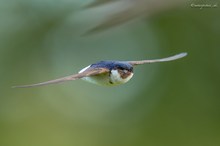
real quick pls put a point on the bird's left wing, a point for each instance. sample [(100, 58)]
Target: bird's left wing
[(88, 72), (175, 57)]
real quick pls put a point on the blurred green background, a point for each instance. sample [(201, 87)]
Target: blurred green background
[(168, 104)]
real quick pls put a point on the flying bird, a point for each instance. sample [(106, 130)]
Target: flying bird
[(108, 73)]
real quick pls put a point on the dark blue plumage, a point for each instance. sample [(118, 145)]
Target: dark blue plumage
[(113, 65)]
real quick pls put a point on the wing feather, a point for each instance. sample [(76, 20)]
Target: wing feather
[(175, 57), (88, 72)]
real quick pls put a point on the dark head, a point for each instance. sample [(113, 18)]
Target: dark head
[(113, 65)]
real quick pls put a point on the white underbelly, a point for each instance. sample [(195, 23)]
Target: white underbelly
[(99, 80), (116, 78), (102, 79)]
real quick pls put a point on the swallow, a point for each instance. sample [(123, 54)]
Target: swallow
[(108, 73)]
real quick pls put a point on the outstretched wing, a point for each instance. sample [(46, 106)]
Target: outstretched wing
[(175, 57), (88, 72)]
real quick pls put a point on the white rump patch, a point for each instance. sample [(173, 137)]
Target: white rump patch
[(82, 70)]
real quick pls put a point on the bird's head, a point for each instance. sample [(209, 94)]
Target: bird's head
[(123, 69), (121, 73)]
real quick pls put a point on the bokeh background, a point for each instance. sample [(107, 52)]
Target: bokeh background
[(167, 104)]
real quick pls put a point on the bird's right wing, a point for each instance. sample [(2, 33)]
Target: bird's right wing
[(88, 72)]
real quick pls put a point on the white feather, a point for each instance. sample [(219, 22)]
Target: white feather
[(116, 78), (82, 70)]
